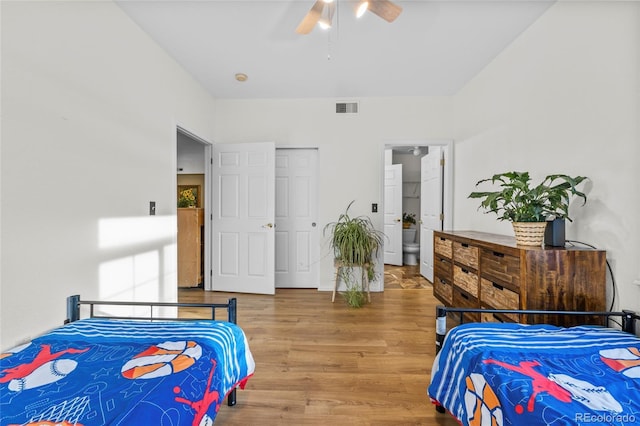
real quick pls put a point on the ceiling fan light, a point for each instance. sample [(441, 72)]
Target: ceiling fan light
[(324, 23), (362, 8), (416, 151)]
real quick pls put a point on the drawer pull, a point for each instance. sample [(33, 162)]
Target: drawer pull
[(498, 254), (443, 239), (466, 271), (442, 281), (498, 286), (443, 260), (465, 245), (464, 296)]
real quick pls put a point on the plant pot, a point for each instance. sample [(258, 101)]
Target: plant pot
[(529, 233), (406, 225)]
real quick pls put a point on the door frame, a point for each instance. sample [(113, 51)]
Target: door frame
[(447, 196), (208, 191)]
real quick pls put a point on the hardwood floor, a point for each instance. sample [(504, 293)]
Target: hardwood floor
[(321, 363), (405, 276)]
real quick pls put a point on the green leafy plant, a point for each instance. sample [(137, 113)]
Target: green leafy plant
[(409, 218), (518, 201), (354, 296), (355, 241)]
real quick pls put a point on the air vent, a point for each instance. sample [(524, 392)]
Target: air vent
[(346, 107)]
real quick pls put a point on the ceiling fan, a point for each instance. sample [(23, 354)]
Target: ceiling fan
[(322, 11)]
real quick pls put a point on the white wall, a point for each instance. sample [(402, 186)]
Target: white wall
[(564, 97), (89, 112), (350, 145)]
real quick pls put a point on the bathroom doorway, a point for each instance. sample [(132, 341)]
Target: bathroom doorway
[(414, 206)]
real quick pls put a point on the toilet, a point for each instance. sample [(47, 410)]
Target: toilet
[(410, 249)]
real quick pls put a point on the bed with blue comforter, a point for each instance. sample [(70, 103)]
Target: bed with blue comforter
[(124, 372), (514, 374)]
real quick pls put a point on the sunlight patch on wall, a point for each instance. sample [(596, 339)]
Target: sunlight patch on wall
[(131, 278), (128, 231)]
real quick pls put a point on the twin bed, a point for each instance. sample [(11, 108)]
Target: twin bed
[(123, 370), (516, 374), (127, 370)]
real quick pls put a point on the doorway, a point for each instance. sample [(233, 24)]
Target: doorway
[(194, 242), (425, 192)]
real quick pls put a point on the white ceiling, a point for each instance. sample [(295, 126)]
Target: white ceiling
[(432, 49)]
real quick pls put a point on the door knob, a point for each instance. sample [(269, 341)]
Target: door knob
[(268, 225), (313, 224), (398, 220)]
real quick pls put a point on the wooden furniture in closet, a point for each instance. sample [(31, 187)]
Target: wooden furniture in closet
[(190, 223), (482, 270)]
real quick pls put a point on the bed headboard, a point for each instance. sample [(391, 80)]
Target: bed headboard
[(627, 318), (74, 302)]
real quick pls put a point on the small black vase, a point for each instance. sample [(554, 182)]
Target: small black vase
[(554, 233)]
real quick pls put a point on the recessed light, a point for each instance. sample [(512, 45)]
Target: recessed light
[(241, 77)]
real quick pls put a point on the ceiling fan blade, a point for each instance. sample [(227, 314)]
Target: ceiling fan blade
[(385, 9), (311, 18)]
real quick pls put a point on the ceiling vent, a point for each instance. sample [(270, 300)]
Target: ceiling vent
[(346, 107)]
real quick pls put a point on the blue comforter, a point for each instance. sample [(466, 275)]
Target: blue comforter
[(513, 374), (99, 372)]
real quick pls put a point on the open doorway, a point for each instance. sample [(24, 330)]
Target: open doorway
[(193, 207), (417, 188)]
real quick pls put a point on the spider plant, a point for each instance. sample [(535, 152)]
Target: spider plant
[(355, 241)]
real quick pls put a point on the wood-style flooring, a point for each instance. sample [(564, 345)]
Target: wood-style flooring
[(407, 276), (323, 363)]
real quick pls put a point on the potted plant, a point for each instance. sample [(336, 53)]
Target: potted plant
[(526, 207), (355, 243), (408, 219)]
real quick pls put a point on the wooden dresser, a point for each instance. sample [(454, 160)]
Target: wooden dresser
[(481, 270), (190, 245)]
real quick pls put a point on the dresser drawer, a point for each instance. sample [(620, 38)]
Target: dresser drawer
[(443, 246), (442, 266), (501, 267), (492, 317), (499, 297), (465, 254), (443, 290), (466, 280), (463, 300)]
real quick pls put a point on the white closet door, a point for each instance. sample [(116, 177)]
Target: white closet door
[(296, 232)]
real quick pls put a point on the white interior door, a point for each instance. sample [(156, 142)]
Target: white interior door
[(243, 217), (296, 233), (431, 175), (393, 214)]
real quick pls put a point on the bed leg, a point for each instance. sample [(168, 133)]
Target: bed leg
[(231, 398), (441, 326), (440, 409)]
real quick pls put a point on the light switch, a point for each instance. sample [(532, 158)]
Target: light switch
[(374, 208), (152, 208)]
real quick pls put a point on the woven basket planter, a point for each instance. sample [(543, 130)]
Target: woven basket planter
[(529, 233)]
